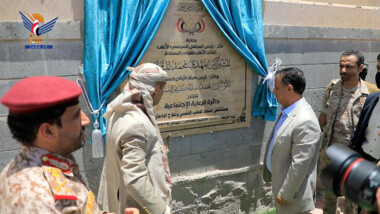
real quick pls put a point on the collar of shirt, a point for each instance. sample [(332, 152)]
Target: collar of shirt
[(289, 109), (337, 85), (35, 154)]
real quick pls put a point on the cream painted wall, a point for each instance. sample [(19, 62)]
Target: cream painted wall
[(312, 13), (375, 3), (322, 14), (66, 10)]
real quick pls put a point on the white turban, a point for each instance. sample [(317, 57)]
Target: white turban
[(145, 78)]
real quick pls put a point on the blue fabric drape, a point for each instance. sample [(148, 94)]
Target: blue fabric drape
[(241, 23), (117, 34)]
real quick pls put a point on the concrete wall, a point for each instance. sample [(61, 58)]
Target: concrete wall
[(234, 158), (217, 172), (66, 10)]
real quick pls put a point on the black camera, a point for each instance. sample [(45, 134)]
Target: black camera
[(350, 175)]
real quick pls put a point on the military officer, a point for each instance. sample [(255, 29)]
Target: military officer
[(45, 116)]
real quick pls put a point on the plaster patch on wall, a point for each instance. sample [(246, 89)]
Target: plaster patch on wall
[(226, 197)]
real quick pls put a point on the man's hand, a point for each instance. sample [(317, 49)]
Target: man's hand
[(280, 200), (131, 211)]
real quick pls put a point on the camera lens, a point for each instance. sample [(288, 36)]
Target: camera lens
[(351, 175)]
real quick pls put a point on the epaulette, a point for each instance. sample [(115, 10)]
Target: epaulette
[(55, 170), (57, 182)]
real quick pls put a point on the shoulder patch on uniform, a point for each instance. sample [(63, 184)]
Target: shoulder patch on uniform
[(57, 182)]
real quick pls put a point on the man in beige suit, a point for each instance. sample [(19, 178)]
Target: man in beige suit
[(291, 155), (136, 171)]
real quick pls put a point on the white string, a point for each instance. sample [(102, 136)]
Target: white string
[(272, 73), (96, 135), (87, 100)]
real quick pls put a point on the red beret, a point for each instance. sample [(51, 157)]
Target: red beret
[(36, 93)]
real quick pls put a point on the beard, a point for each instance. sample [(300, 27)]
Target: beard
[(344, 77), (71, 143), (80, 141)]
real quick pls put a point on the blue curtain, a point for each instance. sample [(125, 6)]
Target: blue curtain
[(241, 23), (117, 34)]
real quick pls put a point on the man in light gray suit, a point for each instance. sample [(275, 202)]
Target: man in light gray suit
[(291, 155)]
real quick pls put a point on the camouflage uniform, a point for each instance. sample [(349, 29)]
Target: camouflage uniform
[(343, 108), (37, 181)]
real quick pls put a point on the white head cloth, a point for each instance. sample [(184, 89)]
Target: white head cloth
[(145, 78)]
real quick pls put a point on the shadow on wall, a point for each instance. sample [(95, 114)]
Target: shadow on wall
[(92, 166)]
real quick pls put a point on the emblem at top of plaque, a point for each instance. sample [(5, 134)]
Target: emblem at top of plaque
[(187, 22)]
